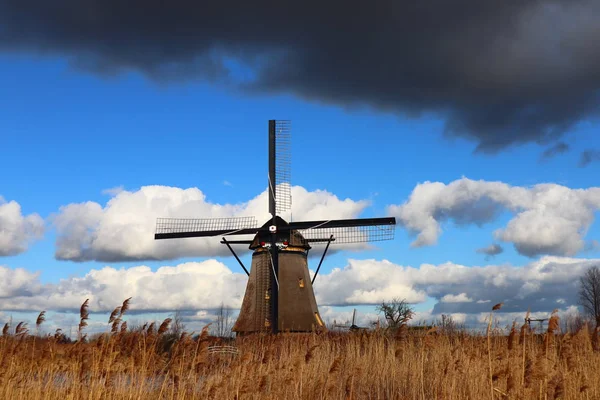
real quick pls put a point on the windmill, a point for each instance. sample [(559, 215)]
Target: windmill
[(352, 327), (279, 294)]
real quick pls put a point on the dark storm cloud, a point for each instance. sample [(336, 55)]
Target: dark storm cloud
[(500, 73), (589, 156), (558, 148)]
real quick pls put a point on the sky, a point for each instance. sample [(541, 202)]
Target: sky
[(484, 149)]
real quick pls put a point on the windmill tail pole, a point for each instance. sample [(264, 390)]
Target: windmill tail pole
[(322, 258), (236, 256), (274, 285)]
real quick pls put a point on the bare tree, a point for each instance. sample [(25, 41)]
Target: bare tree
[(396, 312), (450, 326), (573, 321), (224, 322), (589, 293), (177, 327)]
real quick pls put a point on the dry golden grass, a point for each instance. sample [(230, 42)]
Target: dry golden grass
[(434, 364)]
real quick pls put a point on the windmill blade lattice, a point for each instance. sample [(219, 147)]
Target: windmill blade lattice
[(350, 234), (283, 163), (194, 227)]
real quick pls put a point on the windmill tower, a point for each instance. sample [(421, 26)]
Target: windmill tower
[(279, 294)]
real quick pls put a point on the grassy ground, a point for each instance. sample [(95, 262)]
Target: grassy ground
[(376, 365)]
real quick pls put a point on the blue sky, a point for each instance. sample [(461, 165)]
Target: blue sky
[(68, 135)]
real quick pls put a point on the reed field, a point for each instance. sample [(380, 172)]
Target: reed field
[(149, 362)]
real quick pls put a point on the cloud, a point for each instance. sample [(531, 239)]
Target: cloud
[(589, 156), (123, 229), (457, 288), (114, 190), (18, 282), (494, 82), (491, 250), (553, 151), (358, 284), (187, 286), (547, 218), (17, 231), (197, 289), (456, 298)]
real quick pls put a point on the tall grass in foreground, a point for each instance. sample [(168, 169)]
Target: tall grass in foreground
[(151, 363)]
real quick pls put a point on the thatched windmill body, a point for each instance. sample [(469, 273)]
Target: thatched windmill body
[(279, 294)]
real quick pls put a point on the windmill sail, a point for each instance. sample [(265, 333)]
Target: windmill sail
[(349, 231), (283, 163), (173, 228), (280, 161)]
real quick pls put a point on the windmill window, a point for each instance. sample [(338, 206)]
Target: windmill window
[(301, 282)]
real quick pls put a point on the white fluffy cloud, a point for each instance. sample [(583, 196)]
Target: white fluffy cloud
[(548, 218), (124, 228), (17, 282), (188, 286), (543, 284), (456, 298), (17, 231), (366, 282), (199, 287)]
